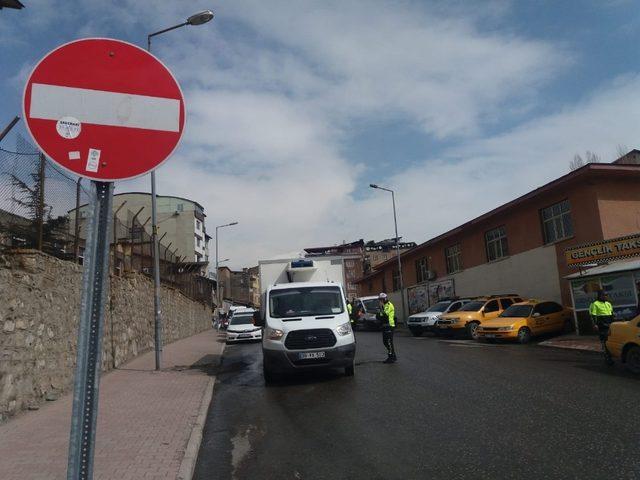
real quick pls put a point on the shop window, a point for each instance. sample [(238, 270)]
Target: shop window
[(422, 270), (496, 243), (556, 222), (453, 257)]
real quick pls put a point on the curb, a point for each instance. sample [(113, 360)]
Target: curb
[(571, 347), (188, 463)]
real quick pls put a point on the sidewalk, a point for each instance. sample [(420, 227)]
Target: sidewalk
[(589, 343), (145, 419)]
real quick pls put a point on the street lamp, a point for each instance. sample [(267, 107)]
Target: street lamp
[(395, 221), (196, 19), (218, 264)]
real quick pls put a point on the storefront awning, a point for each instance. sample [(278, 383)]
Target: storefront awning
[(606, 269)]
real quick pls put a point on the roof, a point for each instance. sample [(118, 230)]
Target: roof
[(623, 266), (608, 169), (160, 196), (282, 286)]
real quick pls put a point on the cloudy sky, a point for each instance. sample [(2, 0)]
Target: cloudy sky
[(294, 107)]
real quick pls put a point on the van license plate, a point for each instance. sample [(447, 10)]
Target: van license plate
[(311, 355)]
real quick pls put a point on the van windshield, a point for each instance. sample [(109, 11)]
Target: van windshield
[(305, 301)]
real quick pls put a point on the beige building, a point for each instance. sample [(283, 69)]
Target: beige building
[(181, 223)]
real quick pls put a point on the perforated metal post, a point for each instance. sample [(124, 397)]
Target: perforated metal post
[(94, 294)]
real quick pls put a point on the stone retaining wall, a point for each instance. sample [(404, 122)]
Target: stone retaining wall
[(39, 307)]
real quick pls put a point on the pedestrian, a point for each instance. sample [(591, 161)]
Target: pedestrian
[(601, 312), (388, 316)]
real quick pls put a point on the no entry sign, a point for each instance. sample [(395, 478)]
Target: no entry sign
[(104, 109)]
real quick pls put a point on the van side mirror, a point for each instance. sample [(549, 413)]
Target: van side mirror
[(257, 319), (482, 312)]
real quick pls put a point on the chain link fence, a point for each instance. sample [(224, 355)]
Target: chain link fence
[(43, 207)]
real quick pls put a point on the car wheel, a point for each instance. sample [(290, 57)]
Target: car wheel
[(416, 332), (472, 330), (632, 359), (524, 335), (350, 370)]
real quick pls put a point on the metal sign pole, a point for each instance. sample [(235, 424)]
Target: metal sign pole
[(94, 293)]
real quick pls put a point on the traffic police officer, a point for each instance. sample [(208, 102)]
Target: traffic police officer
[(387, 312), (601, 312)]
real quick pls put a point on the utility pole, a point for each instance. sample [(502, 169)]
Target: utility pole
[(395, 222)]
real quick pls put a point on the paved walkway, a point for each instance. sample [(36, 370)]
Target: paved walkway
[(589, 343), (144, 423)]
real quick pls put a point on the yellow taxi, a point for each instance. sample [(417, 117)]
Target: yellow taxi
[(523, 320), (469, 317), (623, 343)]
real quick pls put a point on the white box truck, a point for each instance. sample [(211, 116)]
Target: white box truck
[(305, 318)]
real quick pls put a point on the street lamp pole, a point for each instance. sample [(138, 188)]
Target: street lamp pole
[(197, 19), (395, 222), (218, 264)]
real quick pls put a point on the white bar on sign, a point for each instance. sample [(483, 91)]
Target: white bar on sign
[(52, 102)]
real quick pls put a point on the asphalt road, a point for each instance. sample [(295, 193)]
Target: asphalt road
[(446, 410)]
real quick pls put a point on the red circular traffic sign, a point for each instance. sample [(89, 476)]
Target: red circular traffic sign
[(104, 109)]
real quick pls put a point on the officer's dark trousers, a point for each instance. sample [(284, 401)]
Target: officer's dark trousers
[(604, 321), (387, 339)]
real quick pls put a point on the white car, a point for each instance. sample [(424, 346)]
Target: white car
[(426, 321), (242, 327)]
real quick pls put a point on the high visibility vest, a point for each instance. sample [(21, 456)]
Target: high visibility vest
[(349, 308), (600, 309), (390, 311)]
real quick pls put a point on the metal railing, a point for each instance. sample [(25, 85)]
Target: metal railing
[(41, 207)]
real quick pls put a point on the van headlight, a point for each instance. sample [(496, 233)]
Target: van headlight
[(274, 333), (344, 329)]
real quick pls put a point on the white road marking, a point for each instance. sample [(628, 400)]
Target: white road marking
[(99, 107)]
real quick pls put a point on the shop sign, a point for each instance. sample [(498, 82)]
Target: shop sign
[(615, 248)]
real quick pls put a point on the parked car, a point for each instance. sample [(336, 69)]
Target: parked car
[(471, 315), (242, 327), (365, 311), (421, 322), (521, 321), (623, 343)]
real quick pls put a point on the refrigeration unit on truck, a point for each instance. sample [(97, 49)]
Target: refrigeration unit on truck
[(305, 318)]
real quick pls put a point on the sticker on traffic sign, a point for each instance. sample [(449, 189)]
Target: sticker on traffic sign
[(104, 109)]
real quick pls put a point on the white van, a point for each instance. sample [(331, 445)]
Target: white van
[(306, 326)]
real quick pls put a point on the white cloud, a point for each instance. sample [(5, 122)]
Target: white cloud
[(274, 90)]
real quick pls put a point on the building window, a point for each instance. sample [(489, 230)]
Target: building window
[(198, 225), (496, 241), (556, 222), (453, 256), (180, 207), (422, 270), (198, 241), (396, 280)]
